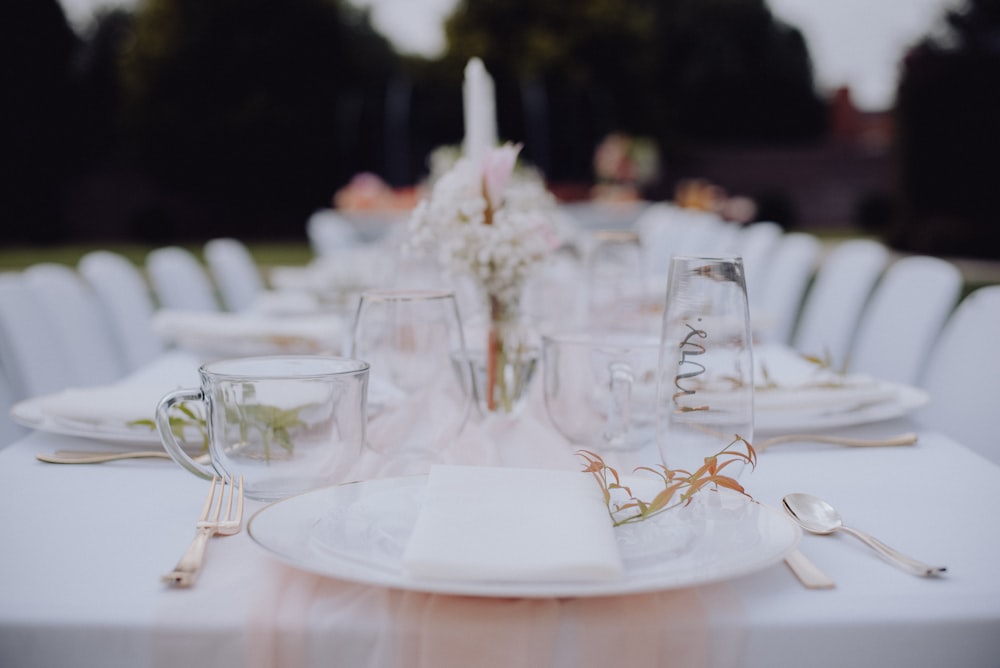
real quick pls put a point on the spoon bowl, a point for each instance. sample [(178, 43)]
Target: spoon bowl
[(817, 516)]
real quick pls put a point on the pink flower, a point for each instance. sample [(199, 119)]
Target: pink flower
[(498, 165)]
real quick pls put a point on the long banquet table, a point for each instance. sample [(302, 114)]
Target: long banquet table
[(84, 546)]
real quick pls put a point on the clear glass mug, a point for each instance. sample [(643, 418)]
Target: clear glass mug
[(705, 389), (286, 423), (600, 388)]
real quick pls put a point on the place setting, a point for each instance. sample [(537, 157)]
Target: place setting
[(349, 462)]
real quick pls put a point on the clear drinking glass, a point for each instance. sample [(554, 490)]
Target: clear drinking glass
[(420, 387), (600, 388), (705, 386), (286, 423), (616, 281)]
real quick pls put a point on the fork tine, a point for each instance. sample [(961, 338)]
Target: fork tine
[(218, 502), (230, 483), (207, 508), (239, 503)]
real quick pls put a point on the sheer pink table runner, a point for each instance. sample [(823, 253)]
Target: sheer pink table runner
[(276, 616)]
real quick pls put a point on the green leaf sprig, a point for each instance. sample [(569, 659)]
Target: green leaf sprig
[(679, 486), (274, 424), (180, 425)]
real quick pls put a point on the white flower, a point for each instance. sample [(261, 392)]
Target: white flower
[(490, 221)]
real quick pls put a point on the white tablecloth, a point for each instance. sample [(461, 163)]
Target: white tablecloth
[(84, 546)]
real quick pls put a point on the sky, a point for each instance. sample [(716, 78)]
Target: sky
[(854, 43)]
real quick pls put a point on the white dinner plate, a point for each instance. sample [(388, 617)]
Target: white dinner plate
[(896, 401), (30, 413), (101, 413), (357, 532)]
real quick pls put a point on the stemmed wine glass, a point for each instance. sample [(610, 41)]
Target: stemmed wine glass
[(419, 392)]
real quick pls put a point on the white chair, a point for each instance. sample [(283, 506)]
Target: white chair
[(31, 353), (234, 271), (78, 320), (834, 304), (783, 289), (961, 375), (10, 431), (330, 233), (179, 280), (666, 230), (902, 320), (756, 243), (127, 301)]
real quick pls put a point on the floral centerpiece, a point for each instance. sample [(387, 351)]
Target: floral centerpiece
[(485, 220)]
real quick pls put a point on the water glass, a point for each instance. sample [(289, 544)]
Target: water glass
[(616, 281), (286, 423), (600, 388), (705, 385), (420, 392)]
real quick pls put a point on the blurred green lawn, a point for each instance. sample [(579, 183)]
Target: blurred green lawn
[(267, 254)]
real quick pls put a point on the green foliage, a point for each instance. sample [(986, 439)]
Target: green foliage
[(687, 72), (239, 100), (947, 106)]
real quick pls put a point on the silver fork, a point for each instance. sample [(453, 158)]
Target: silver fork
[(211, 523)]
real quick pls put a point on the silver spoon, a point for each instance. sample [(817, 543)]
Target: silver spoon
[(817, 516)]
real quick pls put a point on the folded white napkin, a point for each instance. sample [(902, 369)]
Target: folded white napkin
[(514, 525), (110, 406), (787, 381), (250, 333)]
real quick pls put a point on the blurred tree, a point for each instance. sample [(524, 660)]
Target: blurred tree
[(254, 105), (566, 73), (948, 137), (728, 72), (688, 72), (39, 126)]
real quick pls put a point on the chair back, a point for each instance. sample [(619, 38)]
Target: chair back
[(10, 431), (778, 302), (78, 321), (961, 375), (834, 303), (756, 243), (31, 352), (179, 280), (904, 317), (330, 233), (234, 271), (127, 301)]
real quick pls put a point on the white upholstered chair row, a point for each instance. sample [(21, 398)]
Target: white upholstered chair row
[(867, 313), (756, 244), (127, 303), (60, 327), (836, 299), (10, 431), (791, 263), (962, 374), (329, 233), (235, 273), (179, 280), (52, 335), (229, 279), (903, 318)]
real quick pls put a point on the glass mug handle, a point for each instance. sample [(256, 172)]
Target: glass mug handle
[(174, 448), (619, 403)]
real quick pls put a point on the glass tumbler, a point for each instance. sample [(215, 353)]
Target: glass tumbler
[(616, 281), (705, 388)]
